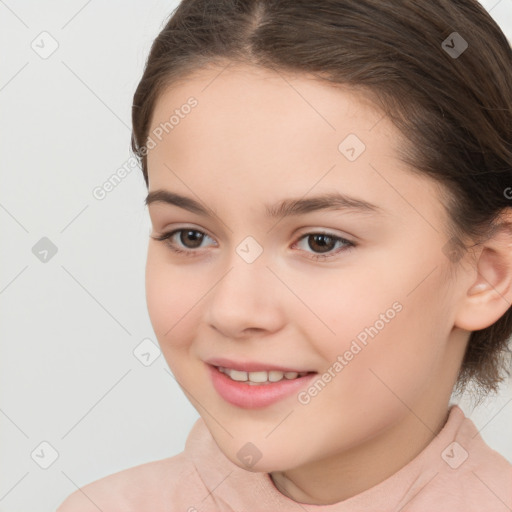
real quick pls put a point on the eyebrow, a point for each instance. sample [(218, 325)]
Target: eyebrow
[(285, 208)]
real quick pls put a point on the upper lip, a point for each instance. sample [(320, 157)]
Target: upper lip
[(251, 366)]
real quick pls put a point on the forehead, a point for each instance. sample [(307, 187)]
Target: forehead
[(254, 96), (258, 131)]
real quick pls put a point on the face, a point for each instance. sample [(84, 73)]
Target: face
[(358, 294)]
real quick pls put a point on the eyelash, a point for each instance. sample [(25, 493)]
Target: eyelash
[(166, 237)]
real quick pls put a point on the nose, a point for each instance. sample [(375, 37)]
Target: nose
[(245, 301)]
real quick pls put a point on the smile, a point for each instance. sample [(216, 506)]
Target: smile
[(257, 389), (260, 377)]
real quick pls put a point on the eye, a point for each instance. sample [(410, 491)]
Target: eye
[(324, 243), (186, 241)]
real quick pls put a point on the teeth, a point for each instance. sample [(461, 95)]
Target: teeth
[(237, 375), (262, 377), (258, 376), (274, 375)]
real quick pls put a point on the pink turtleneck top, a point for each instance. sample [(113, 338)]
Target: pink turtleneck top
[(456, 472)]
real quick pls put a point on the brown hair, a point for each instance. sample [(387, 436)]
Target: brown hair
[(453, 110)]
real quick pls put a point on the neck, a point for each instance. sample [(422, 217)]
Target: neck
[(345, 475)]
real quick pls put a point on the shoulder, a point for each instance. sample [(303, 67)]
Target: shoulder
[(153, 486), (163, 485), (489, 474), (472, 475)]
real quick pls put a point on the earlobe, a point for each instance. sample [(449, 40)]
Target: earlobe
[(490, 294)]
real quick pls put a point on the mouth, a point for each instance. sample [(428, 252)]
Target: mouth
[(262, 377), (257, 389)]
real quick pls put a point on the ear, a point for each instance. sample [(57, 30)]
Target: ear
[(489, 295)]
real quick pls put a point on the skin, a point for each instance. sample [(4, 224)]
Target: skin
[(258, 137)]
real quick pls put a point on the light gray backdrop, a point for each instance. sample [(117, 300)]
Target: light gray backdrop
[(76, 403)]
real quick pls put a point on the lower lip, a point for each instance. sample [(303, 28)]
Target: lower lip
[(248, 396)]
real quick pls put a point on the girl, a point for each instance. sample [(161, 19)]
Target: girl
[(330, 192)]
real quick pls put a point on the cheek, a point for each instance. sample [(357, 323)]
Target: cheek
[(172, 297), (400, 357), (389, 340), (373, 380), (340, 306)]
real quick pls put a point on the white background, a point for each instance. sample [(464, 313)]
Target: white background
[(70, 325)]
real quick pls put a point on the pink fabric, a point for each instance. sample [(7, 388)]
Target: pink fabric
[(202, 479)]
